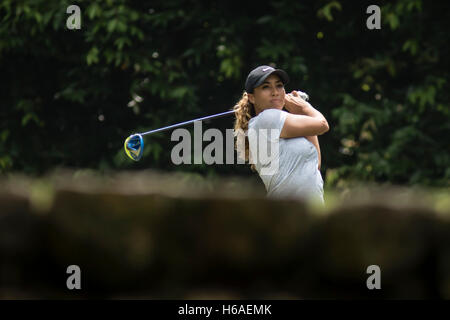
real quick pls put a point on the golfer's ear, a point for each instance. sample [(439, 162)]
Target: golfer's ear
[(251, 98)]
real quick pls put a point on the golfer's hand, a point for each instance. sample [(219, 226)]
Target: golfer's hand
[(294, 103)]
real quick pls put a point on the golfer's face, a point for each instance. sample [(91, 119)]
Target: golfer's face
[(270, 94)]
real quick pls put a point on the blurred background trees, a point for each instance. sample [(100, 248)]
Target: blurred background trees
[(69, 98)]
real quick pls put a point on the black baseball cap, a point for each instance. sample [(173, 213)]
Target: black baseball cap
[(257, 76)]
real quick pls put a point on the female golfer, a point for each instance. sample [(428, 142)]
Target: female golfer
[(295, 153)]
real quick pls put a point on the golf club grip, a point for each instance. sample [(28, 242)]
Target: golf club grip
[(303, 95)]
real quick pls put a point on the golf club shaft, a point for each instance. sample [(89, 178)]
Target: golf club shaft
[(188, 122)]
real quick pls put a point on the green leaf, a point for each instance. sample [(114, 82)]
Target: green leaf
[(94, 10), (393, 21), (179, 93), (112, 25), (325, 11), (28, 117), (121, 26), (412, 45), (121, 42), (4, 135), (6, 162), (92, 56), (37, 17), (264, 19)]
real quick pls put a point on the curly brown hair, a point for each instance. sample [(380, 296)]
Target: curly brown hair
[(244, 110)]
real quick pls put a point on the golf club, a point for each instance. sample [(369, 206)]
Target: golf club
[(134, 144)]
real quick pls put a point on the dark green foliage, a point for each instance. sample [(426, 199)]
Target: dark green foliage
[(69, 98)]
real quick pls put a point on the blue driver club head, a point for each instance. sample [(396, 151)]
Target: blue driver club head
[(134, 146)]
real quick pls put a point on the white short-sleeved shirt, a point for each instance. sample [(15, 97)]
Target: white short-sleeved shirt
[(288, 167)]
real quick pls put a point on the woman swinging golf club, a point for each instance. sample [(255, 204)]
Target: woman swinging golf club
[(262, 107)]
